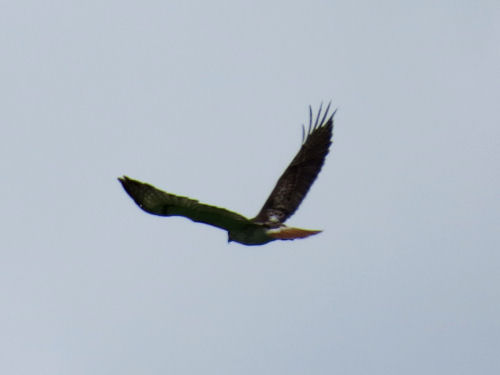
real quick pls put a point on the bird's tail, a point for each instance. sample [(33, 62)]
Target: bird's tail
[(287, 233)]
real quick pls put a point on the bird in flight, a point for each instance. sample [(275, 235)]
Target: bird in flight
[(284, 200)]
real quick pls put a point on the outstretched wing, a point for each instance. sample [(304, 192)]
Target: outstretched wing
[(158, 202), (295, 182)]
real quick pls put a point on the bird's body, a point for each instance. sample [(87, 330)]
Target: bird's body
[(285, 198)]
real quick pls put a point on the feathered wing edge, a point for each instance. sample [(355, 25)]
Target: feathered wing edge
[(158, 202), (295, 182)]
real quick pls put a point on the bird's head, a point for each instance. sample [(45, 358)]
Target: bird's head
[(252, 235)]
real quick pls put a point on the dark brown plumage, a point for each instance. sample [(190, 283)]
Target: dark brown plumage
[(294, 183), (268, 225)]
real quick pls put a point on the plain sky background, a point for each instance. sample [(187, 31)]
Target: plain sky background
[(206, 99)]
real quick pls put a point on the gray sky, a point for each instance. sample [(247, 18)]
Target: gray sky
[(206, 99)]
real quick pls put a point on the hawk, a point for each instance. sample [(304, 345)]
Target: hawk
[(284, 200)]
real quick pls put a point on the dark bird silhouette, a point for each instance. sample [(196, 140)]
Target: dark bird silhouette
[(284, 200)]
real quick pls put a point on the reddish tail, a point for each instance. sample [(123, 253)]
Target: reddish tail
[(287, 233)]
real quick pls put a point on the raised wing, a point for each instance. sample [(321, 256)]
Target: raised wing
[(157, 202), (295, 182)]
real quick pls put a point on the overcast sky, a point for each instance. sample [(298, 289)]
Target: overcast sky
[(206, 99)]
